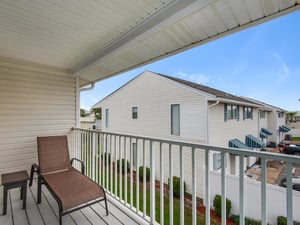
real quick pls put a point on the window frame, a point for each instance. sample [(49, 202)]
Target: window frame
[(106, 117), (247, 112), (175, 130), (231, 112), (134, 112)]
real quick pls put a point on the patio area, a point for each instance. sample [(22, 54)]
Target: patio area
[(47, 211)]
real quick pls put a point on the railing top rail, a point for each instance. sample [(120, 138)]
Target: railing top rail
[(234, 151)]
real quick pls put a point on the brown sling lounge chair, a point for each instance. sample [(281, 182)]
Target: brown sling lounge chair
[(71, 189)]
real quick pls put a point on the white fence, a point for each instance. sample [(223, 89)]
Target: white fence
[(276, 198)]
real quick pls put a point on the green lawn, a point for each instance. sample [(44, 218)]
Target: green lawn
[(176, 202), (296, 138)]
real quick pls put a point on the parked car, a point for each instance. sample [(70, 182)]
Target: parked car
[(292, 149), (295, 182)]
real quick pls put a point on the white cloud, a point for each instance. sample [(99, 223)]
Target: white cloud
[(194, 77)]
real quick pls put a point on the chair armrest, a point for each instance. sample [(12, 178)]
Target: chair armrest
[(81, 162), (34, 169)]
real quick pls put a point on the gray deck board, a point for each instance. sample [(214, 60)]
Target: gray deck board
[(46, 213)]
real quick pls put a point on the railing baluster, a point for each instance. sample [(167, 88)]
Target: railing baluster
[(171, 184), (110, 157), (194, 183), (93, 153), (115, 165), (125, 170), (223, 185), (207, 188), (144, 179), (263, 191), (131, 171), (120, 168), (181, 164), (242, 191), (137, 177), (289, 194), (161, 186), (152, 184)]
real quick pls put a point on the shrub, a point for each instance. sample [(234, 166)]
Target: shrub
[(218, 205), (282, 220), (141, 173), (176, 186), (248, 221), (105, 156), (123, 165)]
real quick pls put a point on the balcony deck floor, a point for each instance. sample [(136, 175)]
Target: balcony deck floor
[(47, 212)]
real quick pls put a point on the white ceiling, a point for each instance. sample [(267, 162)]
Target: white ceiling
[(98, 39)]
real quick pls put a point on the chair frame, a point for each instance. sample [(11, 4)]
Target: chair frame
[(36, 169)]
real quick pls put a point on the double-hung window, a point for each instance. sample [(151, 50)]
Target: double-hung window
[(134, 112), (231, 112), (248, 113)]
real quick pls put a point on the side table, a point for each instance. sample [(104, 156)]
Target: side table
[(14, 180)]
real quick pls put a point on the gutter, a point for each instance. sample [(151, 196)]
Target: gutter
[(91, 87)]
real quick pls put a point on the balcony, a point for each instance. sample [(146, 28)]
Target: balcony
[(132, 202)]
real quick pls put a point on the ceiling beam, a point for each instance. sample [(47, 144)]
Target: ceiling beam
[(162, 16)]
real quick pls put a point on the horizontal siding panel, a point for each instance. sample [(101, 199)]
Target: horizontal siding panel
[(35, 101)]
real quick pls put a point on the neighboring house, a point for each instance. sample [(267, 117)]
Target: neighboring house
[(157, 105)]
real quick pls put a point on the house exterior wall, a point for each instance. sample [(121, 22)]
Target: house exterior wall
[(154, 109), (221, 131), (35, 101), (154, 120)]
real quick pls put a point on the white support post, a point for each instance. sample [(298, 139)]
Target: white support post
[(152, 184), (181, 187), (137, 177), (223, 186), (194, 184), (144, 179), (161, 185), (263, 191), (289, 194), (171, 185), (207, 188), (242, 191)]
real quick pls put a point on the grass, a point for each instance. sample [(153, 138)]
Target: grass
[(176, 203), (296, 138)]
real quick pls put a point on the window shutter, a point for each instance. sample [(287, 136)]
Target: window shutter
[(238, 113)]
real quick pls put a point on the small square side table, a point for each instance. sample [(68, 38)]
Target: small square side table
[(14, 180)]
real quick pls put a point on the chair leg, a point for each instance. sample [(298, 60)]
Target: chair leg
[(39, 190), (31, 175), (106, 207)]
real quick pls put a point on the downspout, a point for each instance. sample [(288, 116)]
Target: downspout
[(78, 90), (209, 107)]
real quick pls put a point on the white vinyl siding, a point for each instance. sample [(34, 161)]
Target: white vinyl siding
[(34, 101)]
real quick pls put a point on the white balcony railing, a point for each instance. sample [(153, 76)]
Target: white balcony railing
[(101, 151)]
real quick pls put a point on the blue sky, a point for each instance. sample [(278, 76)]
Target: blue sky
[(261, 62)]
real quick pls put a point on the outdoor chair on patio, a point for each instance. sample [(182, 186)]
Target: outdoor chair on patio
[(71, 189)]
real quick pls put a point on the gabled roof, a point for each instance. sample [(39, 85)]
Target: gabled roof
[(266, 106), (216, 95), (215, 92)]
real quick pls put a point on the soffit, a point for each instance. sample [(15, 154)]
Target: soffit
[(98, 39)]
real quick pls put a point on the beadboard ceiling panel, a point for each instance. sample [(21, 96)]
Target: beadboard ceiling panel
[(98, 39)]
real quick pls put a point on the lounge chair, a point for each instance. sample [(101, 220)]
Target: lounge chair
[(71, 189)]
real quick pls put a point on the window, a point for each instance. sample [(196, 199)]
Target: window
[(106, 117), (247, 113), (134, 112), (280, 114), (262, 114), (175, 119), (231, 112)]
